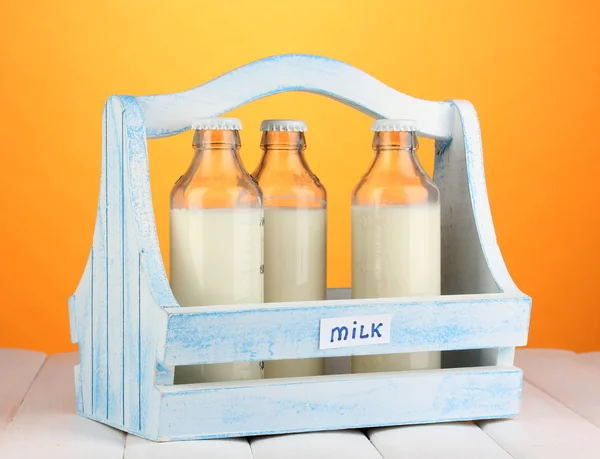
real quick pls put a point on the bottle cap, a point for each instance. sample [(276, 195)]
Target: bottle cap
[(283, 126), (394, 125), (217, 124)]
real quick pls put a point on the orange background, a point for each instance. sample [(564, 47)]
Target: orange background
[(532, 70)]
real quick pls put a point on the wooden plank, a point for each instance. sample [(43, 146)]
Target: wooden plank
[(291, 330), (99, 335), (545, 429), (47, 425), (592, 358), (445, 441), (132, 341), (173, 113), (235, 448), (115, 261), (214, 410), (565, 376), (19, 368), (81, 306), (131, 280), (350, 444)]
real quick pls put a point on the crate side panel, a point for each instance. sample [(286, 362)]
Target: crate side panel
[(284, 331), (145, 287), (464, 267), (328, 403), (471, 258)]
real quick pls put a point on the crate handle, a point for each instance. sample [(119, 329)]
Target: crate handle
[(170, 114)]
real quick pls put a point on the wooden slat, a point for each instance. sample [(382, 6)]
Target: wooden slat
[(565, 376), (334, 402), (81, 317), (99, 334), (350, 444), (236, 448), (592, 357), (545, 429), (47, 426), (19, 368), (213, 334), (445, 441), (131, 287), (115, 266), (130, 276)]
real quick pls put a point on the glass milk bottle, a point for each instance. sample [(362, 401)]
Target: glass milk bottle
[(295, 229), (395, 234), (217, 237)]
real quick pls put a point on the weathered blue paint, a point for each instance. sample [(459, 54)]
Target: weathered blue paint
[(479, 197), (291, 330), (131, 331), (459, 174), (99, 331), (115, 261), (173, 113), (80, 316), (140, 195), (505, 356), (131, 289), (339, 403)]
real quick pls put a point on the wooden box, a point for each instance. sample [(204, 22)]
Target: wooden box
[(132, 333)]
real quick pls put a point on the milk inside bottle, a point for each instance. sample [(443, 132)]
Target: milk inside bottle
[(395, 234), (295, 229), (216, 237)]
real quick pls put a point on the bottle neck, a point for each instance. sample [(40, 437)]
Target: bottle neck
[(395, 152), (217, 154), (283, 152)]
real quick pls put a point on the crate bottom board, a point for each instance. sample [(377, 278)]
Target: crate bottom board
[(284, 432), (335, 403)]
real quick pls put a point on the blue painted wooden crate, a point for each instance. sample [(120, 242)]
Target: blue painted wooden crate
[(132, 333)]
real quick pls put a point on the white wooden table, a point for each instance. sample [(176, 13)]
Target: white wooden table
[(560, 418)]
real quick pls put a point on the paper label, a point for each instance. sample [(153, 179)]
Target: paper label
[(355, 331)]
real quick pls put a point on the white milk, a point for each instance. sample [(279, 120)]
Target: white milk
[(216, 258), (396, 252), (295, 270)]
